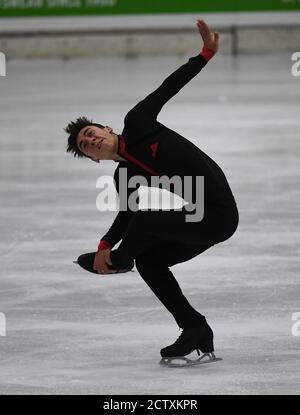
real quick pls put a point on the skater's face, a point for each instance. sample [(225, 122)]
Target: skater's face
[(97, 143)]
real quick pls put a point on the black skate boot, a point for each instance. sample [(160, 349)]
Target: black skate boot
[(86, 261), (192, 338)]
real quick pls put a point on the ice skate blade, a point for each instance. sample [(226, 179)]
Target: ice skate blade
[(205, 358)]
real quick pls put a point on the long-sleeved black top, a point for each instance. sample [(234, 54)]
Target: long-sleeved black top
[(151, 148)]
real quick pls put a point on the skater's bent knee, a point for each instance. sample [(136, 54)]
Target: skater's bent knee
[(147, 261), (142, 261)]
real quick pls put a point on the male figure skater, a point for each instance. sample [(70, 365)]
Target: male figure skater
[(157, 240)]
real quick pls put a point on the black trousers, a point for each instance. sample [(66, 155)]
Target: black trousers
[(160, 239)]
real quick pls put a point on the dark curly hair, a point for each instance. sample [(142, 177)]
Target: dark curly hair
[(73, 129)]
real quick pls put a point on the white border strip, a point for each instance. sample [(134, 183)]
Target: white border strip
[(175, 21)]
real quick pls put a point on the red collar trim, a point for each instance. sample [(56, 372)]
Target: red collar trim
[(124, 153)]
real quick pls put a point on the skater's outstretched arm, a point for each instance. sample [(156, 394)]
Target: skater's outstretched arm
[(152, 104)]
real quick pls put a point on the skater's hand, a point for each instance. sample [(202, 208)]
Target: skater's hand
[(102, 258), (210, 38)]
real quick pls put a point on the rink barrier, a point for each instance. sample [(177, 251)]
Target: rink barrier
[(131, 43)]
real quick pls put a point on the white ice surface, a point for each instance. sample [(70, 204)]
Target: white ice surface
[(73, 332)]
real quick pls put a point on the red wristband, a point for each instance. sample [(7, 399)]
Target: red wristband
[(207, 53), (103, 245)]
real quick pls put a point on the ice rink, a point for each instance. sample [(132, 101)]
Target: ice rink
[(70, 332)]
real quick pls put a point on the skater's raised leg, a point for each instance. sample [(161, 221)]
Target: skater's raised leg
[(147, 227)]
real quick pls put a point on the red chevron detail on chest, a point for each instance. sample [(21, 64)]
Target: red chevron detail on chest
[(154, 149)]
